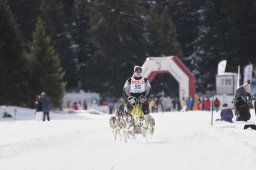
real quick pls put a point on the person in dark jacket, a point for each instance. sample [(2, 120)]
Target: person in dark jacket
[(137, 87), (243, 109), (226, 113), (254, 99), (39, 108), (46, 106), (242, 94)]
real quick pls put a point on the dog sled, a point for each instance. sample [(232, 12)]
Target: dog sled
[(142, 122), (126, 125)]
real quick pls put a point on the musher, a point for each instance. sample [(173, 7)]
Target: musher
[(137, 88)]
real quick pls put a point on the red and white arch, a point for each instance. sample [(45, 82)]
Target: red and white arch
[(174, 66)]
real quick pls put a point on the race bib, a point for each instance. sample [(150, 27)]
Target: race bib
[(137, 86)]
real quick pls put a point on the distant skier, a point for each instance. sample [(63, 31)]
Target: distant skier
[(137, 87)]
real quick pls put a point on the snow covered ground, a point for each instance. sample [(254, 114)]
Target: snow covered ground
[(83, 141)]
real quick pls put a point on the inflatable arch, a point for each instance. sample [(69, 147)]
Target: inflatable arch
[(174, 66)]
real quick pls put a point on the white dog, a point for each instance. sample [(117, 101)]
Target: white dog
[(147, 126)]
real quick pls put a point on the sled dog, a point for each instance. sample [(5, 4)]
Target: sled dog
[(129, 127), (147, 126), (117, 123)]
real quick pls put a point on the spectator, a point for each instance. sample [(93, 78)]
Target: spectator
[(46, 106), (164, 103), (241, 93), (169, 103), (85, 105), (243, 109), (75, 106), (174, 104), (196, 103), (216, 104), (203, 103), (39, 108), (190, 103), (199, 104), (254, 98), (183, 104), (207, 104), (226, 113), (110, 106)]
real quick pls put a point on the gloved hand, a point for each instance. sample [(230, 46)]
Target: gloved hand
[(142, 99), (131, 100)]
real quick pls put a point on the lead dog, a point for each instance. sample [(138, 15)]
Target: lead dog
[(147, 126), (117, 123), (129, 127)]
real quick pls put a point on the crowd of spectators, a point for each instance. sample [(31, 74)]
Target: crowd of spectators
[(156, 104)]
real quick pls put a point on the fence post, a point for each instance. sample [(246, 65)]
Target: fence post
[(212, 114)]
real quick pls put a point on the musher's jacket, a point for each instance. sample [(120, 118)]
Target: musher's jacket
[(137, 86)]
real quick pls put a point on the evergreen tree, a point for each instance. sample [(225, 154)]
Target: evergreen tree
[(117, 35), (61, 26), (46, 72), (59, 18), (186, 15), (223, 36), (83, 46), (162, 37), (26, 11), (12, 61)]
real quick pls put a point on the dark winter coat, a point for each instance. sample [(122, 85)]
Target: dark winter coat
[(39, 106), (46, 103), (226, 114), (241, 93), (243, 110)]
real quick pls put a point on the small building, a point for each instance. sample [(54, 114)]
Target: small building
[(226, 83)]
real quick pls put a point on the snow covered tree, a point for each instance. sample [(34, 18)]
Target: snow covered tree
[(46, 72), (12, 61)]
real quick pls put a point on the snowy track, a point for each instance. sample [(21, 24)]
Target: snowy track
[(181, 141)]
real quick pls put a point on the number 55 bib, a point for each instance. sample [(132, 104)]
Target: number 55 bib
[(137, 86)]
